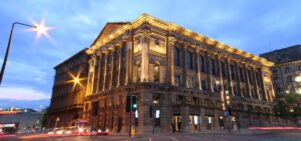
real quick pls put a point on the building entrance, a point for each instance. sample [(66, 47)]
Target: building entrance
[(176, 123)]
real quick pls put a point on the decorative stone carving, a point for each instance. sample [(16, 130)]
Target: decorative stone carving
[(171, 39)]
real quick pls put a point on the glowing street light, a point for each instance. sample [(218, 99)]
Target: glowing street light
[(40, 29), (76, 80)]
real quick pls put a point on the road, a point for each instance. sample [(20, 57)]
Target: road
[(293, 136)]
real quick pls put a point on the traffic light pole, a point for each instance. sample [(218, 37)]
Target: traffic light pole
[(130, 126)]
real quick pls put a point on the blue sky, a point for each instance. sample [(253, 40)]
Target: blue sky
[(255, 26)]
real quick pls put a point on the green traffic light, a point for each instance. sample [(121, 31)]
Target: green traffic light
[(134, 105)]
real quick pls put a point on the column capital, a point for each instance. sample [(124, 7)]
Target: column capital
[(146, 32), (171, 39), (197, 50), (118, 44), (185, 44)]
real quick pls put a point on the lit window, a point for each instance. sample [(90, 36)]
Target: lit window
[(156, 73), (177, 80)]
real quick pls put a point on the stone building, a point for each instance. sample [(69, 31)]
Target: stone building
[(286, 73), (68, 91), (178, 76)]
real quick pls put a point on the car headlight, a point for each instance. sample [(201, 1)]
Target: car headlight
[(80, 129)]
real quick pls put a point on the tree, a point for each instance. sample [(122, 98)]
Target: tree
[(287, 107)]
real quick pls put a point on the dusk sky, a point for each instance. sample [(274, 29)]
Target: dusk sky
[(256, 26)]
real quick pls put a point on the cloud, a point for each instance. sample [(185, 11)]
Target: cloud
[(16, 70), (22, 93)]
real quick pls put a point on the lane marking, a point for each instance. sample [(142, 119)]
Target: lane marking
[(150, 139), (173, 138)]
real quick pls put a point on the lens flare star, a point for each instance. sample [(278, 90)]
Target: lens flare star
[(41, 29)]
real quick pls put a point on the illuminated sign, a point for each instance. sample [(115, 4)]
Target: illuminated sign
[(157, 113)]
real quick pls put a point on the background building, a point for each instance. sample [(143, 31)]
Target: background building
[(181, 80), (23, 119), (68, 91), (286, 73)]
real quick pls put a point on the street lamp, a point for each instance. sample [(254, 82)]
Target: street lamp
[(40, 29)]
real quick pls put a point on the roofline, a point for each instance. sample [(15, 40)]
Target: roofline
[(73, 56), (94, 42), (145, 18)]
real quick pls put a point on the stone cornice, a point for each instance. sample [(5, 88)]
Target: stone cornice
[(168, 26)]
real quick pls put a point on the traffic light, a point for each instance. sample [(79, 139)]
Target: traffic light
[(131, 103), (227, 97), (134, 103)]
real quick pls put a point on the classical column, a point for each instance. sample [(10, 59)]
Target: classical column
[(184, 63), (198, 71), (90, 75), (105, 70), (248, 82), (118, 67), (208, 71), (170, 59), (129, 60), (255, 83), (122, 63), (98, 72), (112, 75), (264, 93), (221, 83), (229, 83), (145, 56), (238, 80)]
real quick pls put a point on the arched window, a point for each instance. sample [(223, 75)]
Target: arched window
[(157, 72)]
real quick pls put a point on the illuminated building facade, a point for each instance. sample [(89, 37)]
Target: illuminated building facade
[(286, 73), (68, 91), (178, 76)]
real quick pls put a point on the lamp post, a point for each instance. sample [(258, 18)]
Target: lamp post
[(8, 47), (41, 29)]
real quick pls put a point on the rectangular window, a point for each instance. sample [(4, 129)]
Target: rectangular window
[(250, 76), (232, 72), (180, 99), (223, 65), (213, 66), (287, 70), (289, 78), (177, 56), (275, 71), (202, 64), (189, 60), (241, 74), (203, 84)]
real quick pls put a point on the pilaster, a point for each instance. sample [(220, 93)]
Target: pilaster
[(145, 55), (170, 59)]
